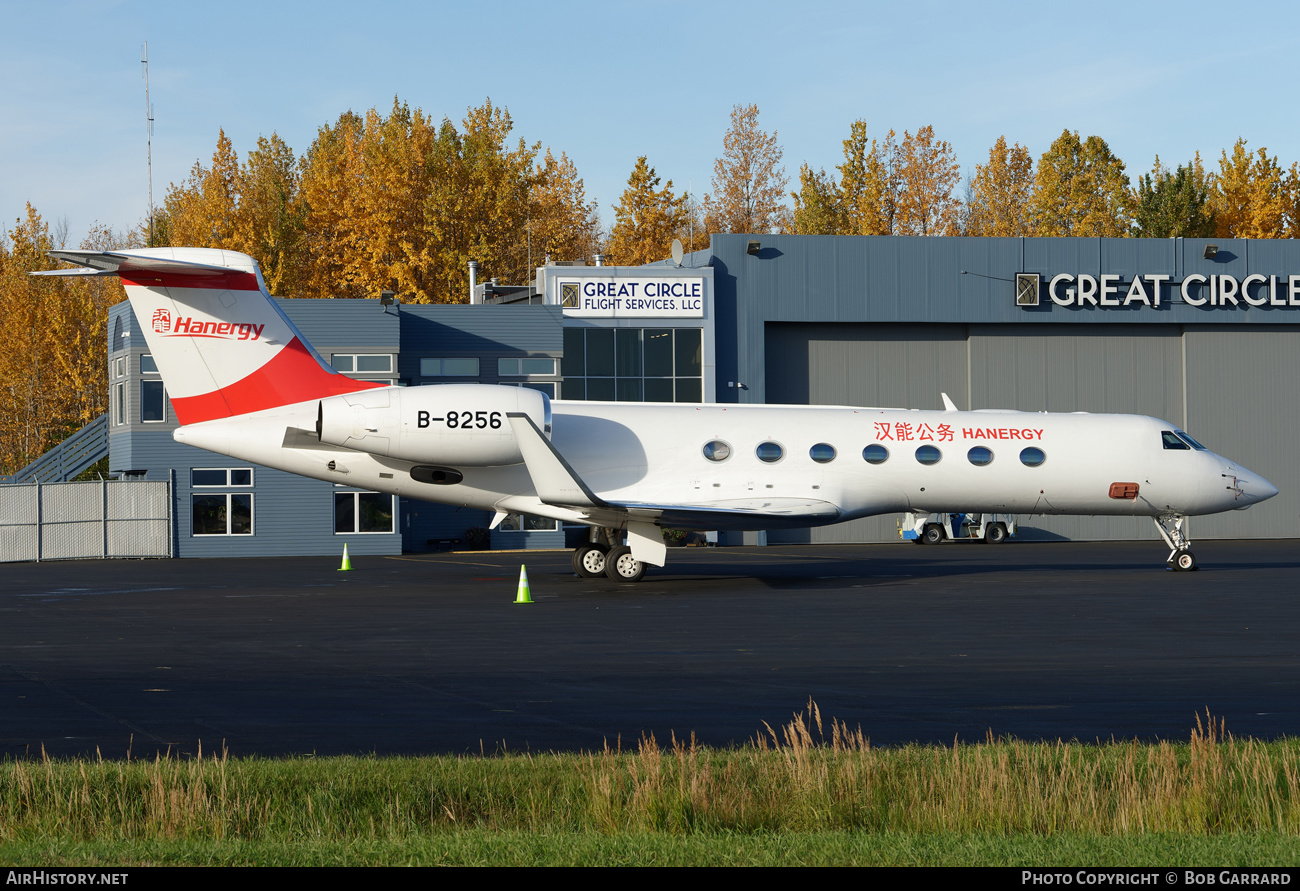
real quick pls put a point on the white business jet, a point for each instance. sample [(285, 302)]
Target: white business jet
[(244, 382)]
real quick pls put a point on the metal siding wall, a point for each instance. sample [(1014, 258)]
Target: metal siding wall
[(1241, 403), (291, 514)]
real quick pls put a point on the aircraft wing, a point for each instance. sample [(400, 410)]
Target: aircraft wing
[(558, 484), (737, 513)]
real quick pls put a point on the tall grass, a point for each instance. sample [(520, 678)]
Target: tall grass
[(795, 778)]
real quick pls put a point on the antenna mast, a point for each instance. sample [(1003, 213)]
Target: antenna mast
[(148, 133)]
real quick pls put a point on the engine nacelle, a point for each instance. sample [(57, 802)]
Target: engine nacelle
[(456, 424)]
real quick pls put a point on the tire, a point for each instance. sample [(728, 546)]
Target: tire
[(933, 534), (621, 566), (1184, 561), (589, 561), (995, 534)]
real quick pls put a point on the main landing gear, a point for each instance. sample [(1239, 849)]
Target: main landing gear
[(1180, 557), (598, 558)]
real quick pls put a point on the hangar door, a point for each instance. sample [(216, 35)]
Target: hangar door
[(1102, 368)]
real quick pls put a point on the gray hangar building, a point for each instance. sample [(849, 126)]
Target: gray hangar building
[(1201, 333)]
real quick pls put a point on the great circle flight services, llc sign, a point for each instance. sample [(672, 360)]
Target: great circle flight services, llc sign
[(1083, 290), (624, 298)]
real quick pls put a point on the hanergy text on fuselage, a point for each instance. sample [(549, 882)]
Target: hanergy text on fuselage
[(1081, 290)]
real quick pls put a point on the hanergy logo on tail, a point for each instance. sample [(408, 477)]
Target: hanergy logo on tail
[(191, 327)]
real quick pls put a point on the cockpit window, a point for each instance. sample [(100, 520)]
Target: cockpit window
[(1171, 440), (1191, 442)]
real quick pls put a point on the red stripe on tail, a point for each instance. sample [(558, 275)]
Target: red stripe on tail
[(294, 375), (220, 281)]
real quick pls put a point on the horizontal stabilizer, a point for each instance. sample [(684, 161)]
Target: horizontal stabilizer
[(117, 262)]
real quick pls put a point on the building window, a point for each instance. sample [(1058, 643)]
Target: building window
[(526, 523), (362, 363), (148, 365), (119, 404), (525, 366), (202, 477), (449, 367), (153, 402), (634, 364), (228, 513), (362, 512), (547, 387)]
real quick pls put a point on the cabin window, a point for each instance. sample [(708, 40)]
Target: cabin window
[(769, 452), (980, 456), (1172, 442), (1191, 442), (1032, 456), (928, 454), (822, 453), (717, 450), (875, 454)]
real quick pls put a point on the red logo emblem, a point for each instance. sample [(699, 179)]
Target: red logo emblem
[(162, 321)]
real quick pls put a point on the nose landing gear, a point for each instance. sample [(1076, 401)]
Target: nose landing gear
[(1180, 557)]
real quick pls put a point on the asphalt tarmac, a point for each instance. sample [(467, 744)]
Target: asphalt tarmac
[(429, 653)]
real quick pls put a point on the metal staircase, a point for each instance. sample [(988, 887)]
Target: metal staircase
[(69, 458)]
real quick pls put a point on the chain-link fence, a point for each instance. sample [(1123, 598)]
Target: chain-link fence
[(65, 521)]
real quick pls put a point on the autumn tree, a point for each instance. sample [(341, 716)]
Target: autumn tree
[(1174, 205), (200, 212), (1251, 195), (270, 218), (562, 224), (53, 376), (818, 205), (1000, 193), (869, 183), (749, 182), (646, 219), (1080, 189), (928, 175)]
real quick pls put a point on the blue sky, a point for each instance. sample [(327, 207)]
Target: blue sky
[(606, 82)]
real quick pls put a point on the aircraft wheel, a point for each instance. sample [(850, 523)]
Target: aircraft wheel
[(995, 534), (589, 561), (933, 534), (621, 566), (1184, 561)]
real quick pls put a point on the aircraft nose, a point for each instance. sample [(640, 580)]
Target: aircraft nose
[(1254, 488)]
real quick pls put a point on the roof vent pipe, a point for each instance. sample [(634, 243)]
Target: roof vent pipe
[(600, 259), (473, 279)]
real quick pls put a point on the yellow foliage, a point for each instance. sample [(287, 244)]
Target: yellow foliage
[(53, 371), (1001, 192), (647, 219)]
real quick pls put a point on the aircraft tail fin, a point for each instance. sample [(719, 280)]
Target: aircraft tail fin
[(223, 346)]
